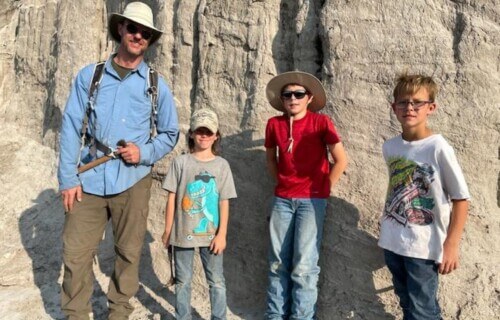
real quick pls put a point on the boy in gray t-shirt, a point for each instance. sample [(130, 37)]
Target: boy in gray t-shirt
[(200, 185)]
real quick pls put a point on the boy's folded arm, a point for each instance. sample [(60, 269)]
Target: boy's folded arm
[(272, 162), (340, 161)]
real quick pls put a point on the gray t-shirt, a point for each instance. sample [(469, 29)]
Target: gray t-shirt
[(199, 186)]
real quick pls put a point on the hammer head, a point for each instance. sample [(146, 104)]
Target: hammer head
[(121, 143)]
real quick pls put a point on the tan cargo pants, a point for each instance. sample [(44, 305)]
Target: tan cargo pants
[(83, 230)]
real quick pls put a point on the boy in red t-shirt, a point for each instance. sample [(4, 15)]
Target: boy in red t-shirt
[(297, 145)]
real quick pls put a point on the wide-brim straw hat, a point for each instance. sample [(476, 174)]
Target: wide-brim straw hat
[(307, 80), (137, 12)]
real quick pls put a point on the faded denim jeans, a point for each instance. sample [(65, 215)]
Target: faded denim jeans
[(416, 284), (296, 229), (212, 265)]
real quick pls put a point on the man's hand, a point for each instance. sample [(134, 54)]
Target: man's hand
[(69, 196), (130, 154), (218, 244), (450, 258)]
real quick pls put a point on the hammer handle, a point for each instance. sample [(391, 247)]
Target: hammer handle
[(93, 164), (121, 143)]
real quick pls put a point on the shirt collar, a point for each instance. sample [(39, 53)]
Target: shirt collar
[(142, 68)]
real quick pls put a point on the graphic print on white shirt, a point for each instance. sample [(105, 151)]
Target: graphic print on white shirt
[(424, 179), (409, 199)]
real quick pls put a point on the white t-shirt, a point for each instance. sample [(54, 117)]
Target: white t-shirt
[(424, 176)]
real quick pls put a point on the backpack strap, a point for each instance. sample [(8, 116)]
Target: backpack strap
[(152, 82), (93, 88), (153, 96)]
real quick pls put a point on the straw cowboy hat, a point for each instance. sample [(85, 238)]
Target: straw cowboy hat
[(137, 12), (308, 81)]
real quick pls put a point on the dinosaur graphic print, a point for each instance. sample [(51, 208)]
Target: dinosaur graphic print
[(408, 199), (201, 201)]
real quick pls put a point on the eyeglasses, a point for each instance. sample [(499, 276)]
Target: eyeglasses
[(299, 94), (416, 105), (133, 29)]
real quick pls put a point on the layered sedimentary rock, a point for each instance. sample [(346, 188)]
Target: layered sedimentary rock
[(221, 54)]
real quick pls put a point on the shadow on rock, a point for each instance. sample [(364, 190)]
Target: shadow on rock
[(149, 282), (349, 256), (41, 227), (297, 44), (245, 259)]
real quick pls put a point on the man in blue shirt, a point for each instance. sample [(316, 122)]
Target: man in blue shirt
[(118, 189)]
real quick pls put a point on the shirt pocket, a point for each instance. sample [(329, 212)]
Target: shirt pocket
[(139, 115)]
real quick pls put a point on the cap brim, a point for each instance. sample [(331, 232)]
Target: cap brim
[(212, 128), (116, 18), (308, 81)]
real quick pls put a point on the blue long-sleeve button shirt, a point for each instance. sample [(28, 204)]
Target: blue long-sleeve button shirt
[(122, 111)]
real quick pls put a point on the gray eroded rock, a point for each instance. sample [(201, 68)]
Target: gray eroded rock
[(221, 54)]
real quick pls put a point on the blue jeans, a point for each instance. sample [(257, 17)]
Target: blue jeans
[(212, 265), (416, 284), (296, 228)]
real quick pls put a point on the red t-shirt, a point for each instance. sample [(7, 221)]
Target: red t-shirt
[(303, 173)]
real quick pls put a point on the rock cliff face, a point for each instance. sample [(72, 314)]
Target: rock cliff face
[(221, 54)]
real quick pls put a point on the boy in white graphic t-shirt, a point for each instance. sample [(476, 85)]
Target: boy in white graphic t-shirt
[(426, 205)]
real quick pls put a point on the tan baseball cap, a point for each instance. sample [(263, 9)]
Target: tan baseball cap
[(206, 118)]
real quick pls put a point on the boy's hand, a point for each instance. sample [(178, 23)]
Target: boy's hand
[(165, 239), (218, 244), (450, 258), (332, 187)]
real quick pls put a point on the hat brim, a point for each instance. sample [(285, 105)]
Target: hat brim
[(212, 128), (116, 18), (308, 81)]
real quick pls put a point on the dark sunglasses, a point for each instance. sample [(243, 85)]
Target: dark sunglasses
[(133, 29), (205, 177), (299, 94)]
